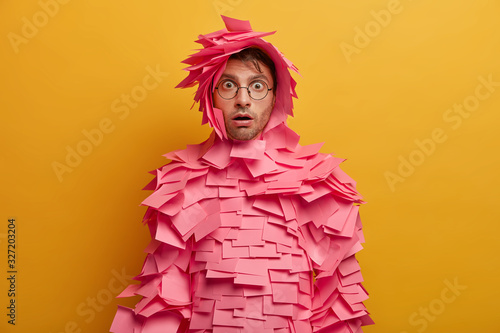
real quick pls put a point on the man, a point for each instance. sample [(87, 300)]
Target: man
[(251, 232)]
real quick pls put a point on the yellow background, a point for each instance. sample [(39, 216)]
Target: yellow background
[(438, 224)]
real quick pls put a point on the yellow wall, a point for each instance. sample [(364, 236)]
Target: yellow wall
[(382, 83)]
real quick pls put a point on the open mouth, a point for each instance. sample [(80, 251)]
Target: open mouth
[(242, 117)]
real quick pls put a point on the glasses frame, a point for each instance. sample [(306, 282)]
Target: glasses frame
[(238, 89)]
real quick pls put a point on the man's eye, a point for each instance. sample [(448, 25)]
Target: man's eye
[(228, 85), (257, 86)]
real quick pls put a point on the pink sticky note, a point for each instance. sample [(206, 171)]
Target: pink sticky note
[(219, 275), (348, 289), (309, 150), (210, 256), (285, 185), (231, 204), (284, 190), (354, 249), (317, 251), (225, 265), (276, 234), (220, 234), (226, 318), (239, 170), (124, 320), (231, 302), (248, 209), (195, 173), (161, 322), (230, 192), (204, 305), (356, 298), (251, 291), (337, 220), (266, 251), (165, 256), (175, 286), (236, 25), (252, 149), (300, 264), (226, 329), (275, 322), (349, 266), (262, 166), (353, 278), (166, 234), (294, 249), (200, 321), (283, 276), (228, 251), (288, 159), (149, 266), (206, 245), (287, 208), (279, 309), (173, 205), (253, 309), (232, 234), (302, 326), (268, 205), (248, 237), (130, 291), (253, 222), (157, 199), (283, 137), (278, 220), (253, 187), (219, 178), (252, 280), (149, 290), (319, 191), (252, 266), (173, 187), (350, 223), (196, 190), (211, 223), (230, 219), (188, 218), (306, 287), (218, 155), (343, 311), (284, 262)]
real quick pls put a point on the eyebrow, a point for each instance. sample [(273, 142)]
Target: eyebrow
[(251, 78)]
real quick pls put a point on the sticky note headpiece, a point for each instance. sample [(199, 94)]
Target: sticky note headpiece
[(208, 64)]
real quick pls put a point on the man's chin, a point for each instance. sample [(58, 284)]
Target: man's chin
[(242, 134)]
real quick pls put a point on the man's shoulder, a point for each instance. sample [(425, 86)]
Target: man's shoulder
[(222, 170)]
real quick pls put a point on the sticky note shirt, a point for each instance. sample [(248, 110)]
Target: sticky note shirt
[(260, 244)]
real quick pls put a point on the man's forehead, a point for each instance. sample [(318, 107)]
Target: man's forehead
[(238, 69)]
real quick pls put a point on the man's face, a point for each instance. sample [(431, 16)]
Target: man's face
[(244, 117)]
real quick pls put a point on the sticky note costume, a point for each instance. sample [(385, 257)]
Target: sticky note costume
[(248, 236)]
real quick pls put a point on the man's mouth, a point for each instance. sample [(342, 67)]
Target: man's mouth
[(242, 120), (242, 117)]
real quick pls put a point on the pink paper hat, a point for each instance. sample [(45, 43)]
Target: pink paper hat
[(208, 64)]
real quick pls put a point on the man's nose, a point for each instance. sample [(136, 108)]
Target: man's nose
[(242, 97)]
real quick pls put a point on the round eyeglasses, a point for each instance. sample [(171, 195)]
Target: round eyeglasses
[(257, 90)]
